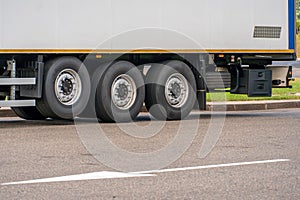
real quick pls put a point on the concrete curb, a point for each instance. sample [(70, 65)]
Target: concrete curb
[(252, 105), (219, 106)]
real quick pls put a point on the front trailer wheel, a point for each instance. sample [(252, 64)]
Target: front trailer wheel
[(29, 113), (66, 88), (2, 98), (170, 90), (120, 93)]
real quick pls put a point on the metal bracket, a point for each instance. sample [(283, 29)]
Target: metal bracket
[(17, 103), (237, 81), (17, 81), (11, 66)]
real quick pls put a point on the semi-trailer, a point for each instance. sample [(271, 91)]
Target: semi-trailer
[(63, 58)]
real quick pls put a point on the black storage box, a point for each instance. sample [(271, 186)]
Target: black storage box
[(254, 82)]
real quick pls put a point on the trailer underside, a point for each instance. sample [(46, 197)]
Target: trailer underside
[(30, 83)]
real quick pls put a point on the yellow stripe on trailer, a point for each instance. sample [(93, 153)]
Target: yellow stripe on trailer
[(87, 51)]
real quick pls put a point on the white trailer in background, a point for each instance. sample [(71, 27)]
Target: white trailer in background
[(61, 58)]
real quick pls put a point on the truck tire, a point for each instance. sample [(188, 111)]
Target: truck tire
[(96, 74), (1, 99), (65, 88), (170, 90), (120, 93), (29, 113)]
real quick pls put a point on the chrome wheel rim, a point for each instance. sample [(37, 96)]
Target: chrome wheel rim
[(123, 92), (176, 90), (68, 87)]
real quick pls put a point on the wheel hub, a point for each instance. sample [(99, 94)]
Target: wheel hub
[(176, 90), (123, 92), (68, 87)]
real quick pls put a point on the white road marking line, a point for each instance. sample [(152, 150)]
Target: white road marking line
[(81, 177), (212, 166), (112, 175)]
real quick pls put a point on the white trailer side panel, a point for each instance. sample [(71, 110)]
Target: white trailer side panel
[(136, 24)]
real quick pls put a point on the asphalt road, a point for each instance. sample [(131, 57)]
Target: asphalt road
[(259, 153)]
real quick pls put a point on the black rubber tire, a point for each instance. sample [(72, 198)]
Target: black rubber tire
[(156, 102), (29, 113), (96, 73), (49, 105), (2, 98), (106, 110)]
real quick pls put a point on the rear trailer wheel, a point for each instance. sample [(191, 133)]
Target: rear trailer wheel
[(170, 90), (29, 113), (120, 93), (66, 88)]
